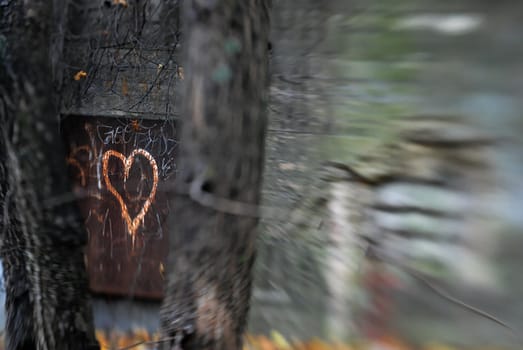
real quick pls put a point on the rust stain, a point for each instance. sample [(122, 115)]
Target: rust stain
[(135, 124)]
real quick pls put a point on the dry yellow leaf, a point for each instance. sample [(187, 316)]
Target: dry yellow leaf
[(317, 344), (299, 346), (80, 75), (102, 339), (280, 341), (140, 339), (341, 346), (127, 340), (120, 2), (251, 343), (142, 334), (265, 344), (391, 343)]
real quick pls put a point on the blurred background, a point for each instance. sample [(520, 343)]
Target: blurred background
[(395, 144)]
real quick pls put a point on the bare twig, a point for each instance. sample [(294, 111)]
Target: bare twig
[(445, 294)]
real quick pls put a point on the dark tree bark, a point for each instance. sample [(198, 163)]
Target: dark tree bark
[(42, 241), (218, 187)]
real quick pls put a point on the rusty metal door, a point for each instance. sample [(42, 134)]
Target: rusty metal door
[(120, 168)]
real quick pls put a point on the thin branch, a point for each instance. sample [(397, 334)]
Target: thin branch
[(445, 294)]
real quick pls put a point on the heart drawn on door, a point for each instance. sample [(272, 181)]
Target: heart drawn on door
[(134, 223)]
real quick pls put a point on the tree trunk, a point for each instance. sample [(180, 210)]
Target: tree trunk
[(42, 241), (218, 185)]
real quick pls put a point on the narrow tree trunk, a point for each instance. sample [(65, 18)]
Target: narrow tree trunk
[(42, 241), (218, 185)]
